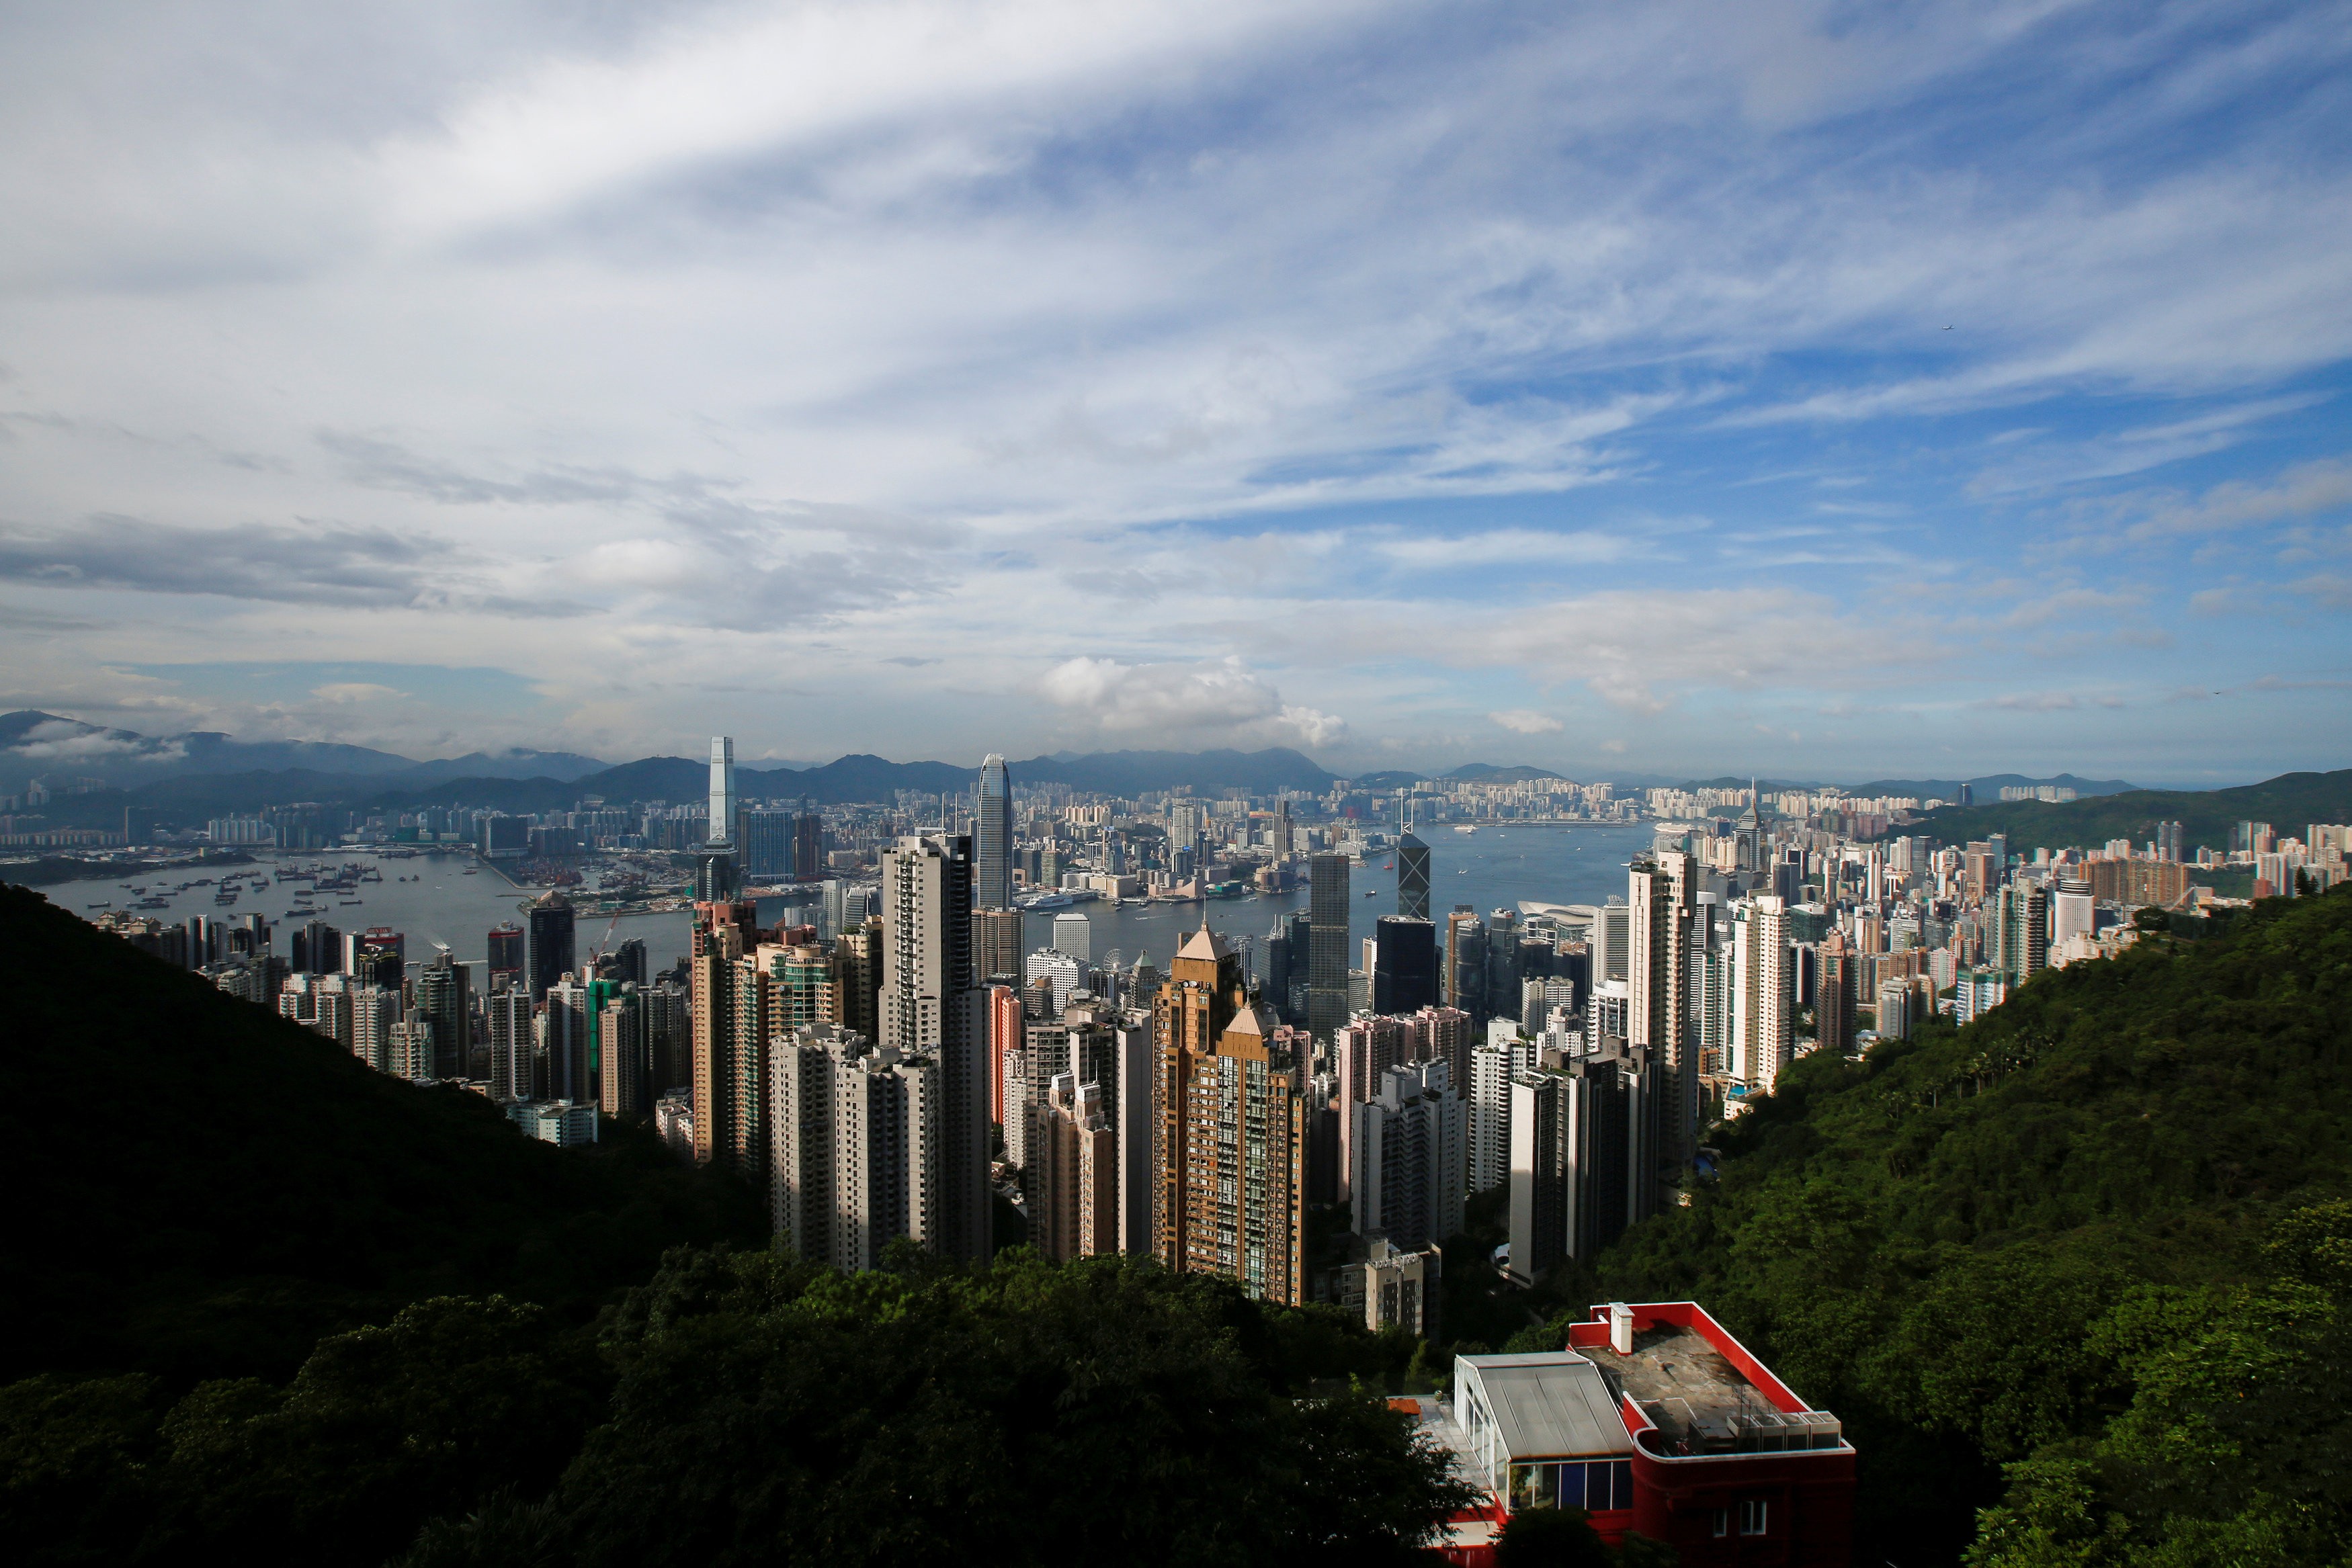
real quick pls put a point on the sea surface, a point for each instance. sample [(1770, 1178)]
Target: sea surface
[(1492, 868)]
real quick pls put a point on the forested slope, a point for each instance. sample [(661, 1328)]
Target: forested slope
[(2048, 1236), (200, 1188)]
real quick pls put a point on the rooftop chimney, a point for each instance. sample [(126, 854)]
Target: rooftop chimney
[(1621, 1328)]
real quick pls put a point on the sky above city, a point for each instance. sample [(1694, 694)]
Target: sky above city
[(1828, 390)]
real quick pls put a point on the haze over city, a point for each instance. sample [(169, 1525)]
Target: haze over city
[(1916, 391)]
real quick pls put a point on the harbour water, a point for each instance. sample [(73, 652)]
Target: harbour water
[(1493, 867)]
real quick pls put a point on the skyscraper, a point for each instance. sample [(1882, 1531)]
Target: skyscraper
[(717, 874), (1326, 944), (1230, 1147), (1763, 1034), (1662, 897), (719, 939), (443, 1002), (855, 1142), (931, 1009), (722, 828), (1412, 878), (1408, 1156), (1404, 965), (1465, 963), (508, 955), (550, 922), (992, 837), (513, 1045)]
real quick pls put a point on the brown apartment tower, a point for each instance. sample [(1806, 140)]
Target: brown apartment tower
[(1230, 1147)]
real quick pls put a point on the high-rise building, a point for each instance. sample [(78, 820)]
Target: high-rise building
[(374, 1011), (410, 1050), (508, 957), (1465, 962), (1071, 1176), (623, 1064), (724, 804), (513, 1045), (854, 1146), (931, 1009), (1834, 985), (1074, 934), (1412, 878), (1502, 962), (1581, 1169), (442, 999), (1326, 944), (1408, 1157), (1404, 964), (317, 949), (2019, 944), (722, 934), (992, 837), (551, 925), (995, 945), (1661, 898), (1229, 1145), (1612, 940), (563, 1022), (1362, 1050), (1763, 1031)]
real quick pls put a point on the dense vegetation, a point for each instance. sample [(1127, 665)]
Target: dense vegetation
[(261, 1300), (746, 1408), (2289, 802), (200, 1188), (2082, 1260)]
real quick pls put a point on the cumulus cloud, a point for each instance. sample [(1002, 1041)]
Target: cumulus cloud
[(1185, 699), (1526, 721)]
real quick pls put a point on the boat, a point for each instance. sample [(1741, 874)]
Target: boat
[(101, 903), (1371, 893)]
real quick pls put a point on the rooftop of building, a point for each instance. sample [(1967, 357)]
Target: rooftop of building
[(1704, 1391)]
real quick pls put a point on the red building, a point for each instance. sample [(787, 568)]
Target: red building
[(1653, 1418)]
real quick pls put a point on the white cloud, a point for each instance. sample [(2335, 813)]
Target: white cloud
[(1224, 697), (1525, 721), (354, 692)]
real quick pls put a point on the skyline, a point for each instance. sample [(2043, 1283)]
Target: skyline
[(1943, 393)]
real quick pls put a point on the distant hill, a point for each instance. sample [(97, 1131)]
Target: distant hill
[(34, 744), (1488, 773), (202, 1188), (2289, 802), (1394, 778), (1991, 784)]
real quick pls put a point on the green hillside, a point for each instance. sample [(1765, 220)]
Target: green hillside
[(201, 1188), (2288, 802), (2097, 1236)]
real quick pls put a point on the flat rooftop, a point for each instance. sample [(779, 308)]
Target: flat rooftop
[(1699, 1400)]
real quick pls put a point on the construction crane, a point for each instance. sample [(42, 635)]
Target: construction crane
[(605, 940)]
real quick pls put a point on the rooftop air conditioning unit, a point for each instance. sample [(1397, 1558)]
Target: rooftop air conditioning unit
[(1823, 1429)]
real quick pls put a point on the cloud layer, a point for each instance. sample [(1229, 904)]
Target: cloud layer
[(1691, 386)]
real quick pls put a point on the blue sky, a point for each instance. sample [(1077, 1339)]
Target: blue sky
[(1818, 389)]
